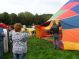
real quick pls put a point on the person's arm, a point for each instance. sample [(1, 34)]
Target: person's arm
[(60, 27), (2, 34), (10, 36), (26, 35), (51, 30), (29, 33)]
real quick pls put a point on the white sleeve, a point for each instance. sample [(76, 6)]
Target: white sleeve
[(10, 33)]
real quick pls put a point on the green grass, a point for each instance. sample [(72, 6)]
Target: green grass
[(42, 49)]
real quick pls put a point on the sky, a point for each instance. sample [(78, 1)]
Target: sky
[(33, 6)]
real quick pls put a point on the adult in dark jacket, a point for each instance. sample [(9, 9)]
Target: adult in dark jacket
[(1, 42), (55, 31)]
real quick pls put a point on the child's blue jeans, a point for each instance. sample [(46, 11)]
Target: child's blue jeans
[(56, 41), (19, 56)]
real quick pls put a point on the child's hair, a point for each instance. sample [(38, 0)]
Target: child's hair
[(17, 27)]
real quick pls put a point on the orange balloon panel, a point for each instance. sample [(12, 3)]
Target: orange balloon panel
[(71, 35)]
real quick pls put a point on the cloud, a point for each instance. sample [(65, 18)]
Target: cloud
[(33, 6)]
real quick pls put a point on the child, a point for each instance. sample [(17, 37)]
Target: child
[(19, 39)]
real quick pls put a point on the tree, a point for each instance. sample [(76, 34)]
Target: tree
[(13, 18), (5, 16), (36, 19), (1, 18), (45, 17), (25, 18), (40, 19)]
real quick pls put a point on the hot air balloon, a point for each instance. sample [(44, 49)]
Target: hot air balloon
[(69, 19)]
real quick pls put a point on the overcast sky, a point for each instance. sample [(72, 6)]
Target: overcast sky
[(33, 6)]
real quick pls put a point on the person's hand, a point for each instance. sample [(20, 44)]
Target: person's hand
[(30, 33)]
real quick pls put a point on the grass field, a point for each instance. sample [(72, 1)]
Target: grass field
[(42, 49)]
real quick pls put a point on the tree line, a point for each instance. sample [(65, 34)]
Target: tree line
[(26, 18)]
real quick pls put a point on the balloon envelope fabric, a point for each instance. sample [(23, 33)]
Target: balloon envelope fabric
[(69, 19)]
